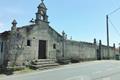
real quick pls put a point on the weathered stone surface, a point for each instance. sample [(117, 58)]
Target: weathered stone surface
[(43, 64)]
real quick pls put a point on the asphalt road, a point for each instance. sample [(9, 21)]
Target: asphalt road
[(94, 70)]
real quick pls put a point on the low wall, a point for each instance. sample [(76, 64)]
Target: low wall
[(81, 50), (87, 51)]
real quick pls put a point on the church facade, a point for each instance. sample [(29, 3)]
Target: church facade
[(40, 41)]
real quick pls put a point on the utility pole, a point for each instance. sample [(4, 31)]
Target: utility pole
[(63, 43), (107, 25)]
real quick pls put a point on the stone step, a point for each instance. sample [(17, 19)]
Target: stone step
[(44, 60), (40, 63), (44, 65)]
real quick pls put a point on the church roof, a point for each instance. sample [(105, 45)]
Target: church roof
[(28, 28), (5, 35)]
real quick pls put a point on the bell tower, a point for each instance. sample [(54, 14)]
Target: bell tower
[(41, 14)]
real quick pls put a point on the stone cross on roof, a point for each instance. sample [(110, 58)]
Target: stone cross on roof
[(42, 1), (14, 23)]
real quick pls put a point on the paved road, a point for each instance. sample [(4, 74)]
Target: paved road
[(95, 70)]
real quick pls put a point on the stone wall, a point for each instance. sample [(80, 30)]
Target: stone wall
[(112, 52), (87, 51), (104, 53), (81, 50), (1, 53)]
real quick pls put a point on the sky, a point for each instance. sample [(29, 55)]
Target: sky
[(84, 20)]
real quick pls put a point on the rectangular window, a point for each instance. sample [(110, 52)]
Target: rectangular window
[(28, 42), (54, 46)]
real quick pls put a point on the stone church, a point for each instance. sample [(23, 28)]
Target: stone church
[(40, 41)]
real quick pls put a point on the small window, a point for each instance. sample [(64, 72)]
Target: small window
[(54, 46), (28, 42)]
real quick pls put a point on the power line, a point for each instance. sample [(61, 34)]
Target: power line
[(114, 11), (117, 31)]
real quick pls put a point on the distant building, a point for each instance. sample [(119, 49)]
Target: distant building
[(40, 41)]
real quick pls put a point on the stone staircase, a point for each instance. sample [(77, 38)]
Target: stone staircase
[(42, 64)]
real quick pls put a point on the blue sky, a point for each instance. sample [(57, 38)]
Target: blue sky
[(84, 20)]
